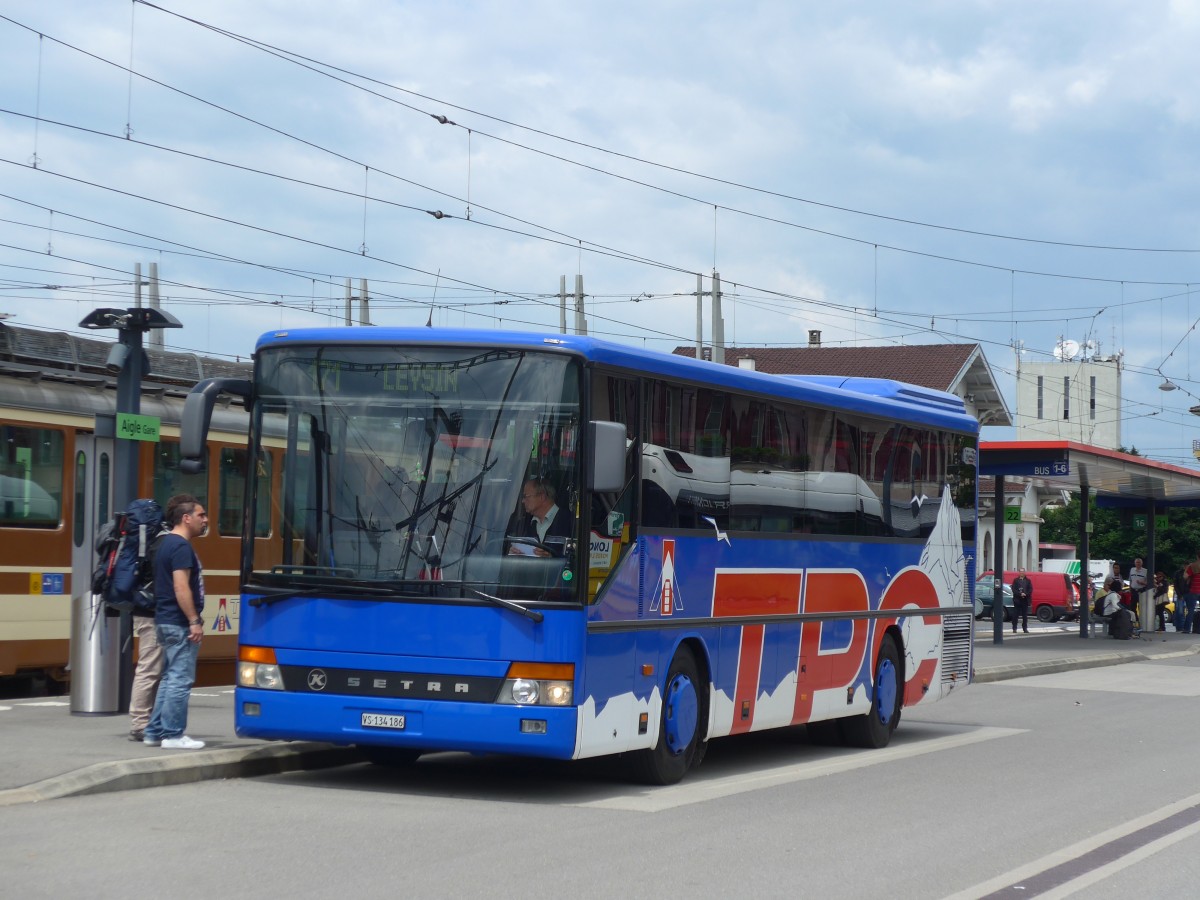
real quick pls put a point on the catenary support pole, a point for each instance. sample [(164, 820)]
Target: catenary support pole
[(1085, 552), (998, 566)]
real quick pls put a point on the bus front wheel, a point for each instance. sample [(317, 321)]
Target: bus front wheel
[(874, 729), (680, 744)]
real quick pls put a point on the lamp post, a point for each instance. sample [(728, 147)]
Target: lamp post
[(92, 672)]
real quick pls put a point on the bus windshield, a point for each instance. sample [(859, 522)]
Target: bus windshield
[(415, 472)]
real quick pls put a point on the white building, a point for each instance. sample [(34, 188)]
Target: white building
[(1075, 397)]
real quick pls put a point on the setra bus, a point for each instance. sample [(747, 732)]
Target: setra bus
[(740, 551)]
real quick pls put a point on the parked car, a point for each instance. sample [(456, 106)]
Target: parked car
[(1054, 597), (985, 594)]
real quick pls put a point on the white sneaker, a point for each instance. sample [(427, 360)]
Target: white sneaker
[(183, 742)]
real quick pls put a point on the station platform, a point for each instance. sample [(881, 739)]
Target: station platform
[(47, 752)]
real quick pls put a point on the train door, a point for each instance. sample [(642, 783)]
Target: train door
[(95, 638)]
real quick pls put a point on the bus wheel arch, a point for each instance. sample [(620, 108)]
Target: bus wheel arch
[(683, 720), (873, 729)]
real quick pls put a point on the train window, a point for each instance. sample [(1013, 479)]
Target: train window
[(169, 480), (233, 493), (103, 489), (78, 521), (31, 476)]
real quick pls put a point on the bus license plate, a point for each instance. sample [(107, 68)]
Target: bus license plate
[(375, 720)]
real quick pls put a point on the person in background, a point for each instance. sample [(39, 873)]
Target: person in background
[(1022, 589), (179, 601), (147, 675), (1192, 574), (1161, 590), (1120, 619), (1139, 583), (1111, 602)]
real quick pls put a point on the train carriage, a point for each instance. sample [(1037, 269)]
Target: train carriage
[(56, 483)]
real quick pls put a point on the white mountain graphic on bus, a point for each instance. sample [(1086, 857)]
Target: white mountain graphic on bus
[(667, 599)]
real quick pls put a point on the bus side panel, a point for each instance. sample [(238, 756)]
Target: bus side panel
[(772, 674), (613, 693)]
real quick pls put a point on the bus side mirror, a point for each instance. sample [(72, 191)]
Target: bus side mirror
[(197, 414), (607, 445)]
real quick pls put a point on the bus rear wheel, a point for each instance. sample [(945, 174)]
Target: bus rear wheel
[(874, 729), (680, 744)]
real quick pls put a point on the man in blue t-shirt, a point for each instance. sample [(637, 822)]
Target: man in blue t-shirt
[(179, 601)]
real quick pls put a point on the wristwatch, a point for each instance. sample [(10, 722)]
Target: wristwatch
[(199, 622)]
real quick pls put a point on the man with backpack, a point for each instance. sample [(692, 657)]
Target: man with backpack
[(179, 602), (124, 577)]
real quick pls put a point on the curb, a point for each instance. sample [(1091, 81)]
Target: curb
[(203, 765), (1066, 664)]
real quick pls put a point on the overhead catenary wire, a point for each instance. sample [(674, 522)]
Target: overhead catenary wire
[(679, 194), (294, 56), (849, 306)]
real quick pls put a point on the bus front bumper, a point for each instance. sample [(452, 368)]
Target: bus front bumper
[(413, 724)]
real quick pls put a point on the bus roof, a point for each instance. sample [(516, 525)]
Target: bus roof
[(870, 396)]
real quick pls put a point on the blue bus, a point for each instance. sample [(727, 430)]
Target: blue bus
[(715, 550)]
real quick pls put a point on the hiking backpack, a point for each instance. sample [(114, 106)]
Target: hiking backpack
[(125, 547)]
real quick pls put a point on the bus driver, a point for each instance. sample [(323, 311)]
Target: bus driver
[(541, 520)]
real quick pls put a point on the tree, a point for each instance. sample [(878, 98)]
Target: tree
[(1114, 535)]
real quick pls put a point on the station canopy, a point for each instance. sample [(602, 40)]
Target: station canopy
[(1117, 479)]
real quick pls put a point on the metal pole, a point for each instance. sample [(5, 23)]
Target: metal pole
[(125, 481), (1085, 551), (580, 318), (1146, 611), (699, 316), (156, 336), (349, 299), (364, 311), (998, 567), (128, 364), (562, 304), (718, 323)]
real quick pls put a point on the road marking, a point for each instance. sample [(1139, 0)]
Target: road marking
[(1130, 678), (47, 703), (1070, 870), (697, 789), (5, 709)]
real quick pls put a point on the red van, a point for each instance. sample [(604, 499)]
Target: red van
[(1054, 597)]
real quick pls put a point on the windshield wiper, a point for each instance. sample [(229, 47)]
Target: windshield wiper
[(508, 604), (274, 596)]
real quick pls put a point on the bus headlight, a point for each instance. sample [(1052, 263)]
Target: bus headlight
[(258, 675), (536, 692), (258, 668), (538, 684), (524, 690)]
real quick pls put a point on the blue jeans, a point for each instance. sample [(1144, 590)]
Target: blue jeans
[(1190, 601), (169, 719)]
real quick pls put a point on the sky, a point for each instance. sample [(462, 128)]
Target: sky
[(1011, 174)]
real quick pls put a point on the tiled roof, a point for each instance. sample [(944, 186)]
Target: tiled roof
[(935, 366)]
